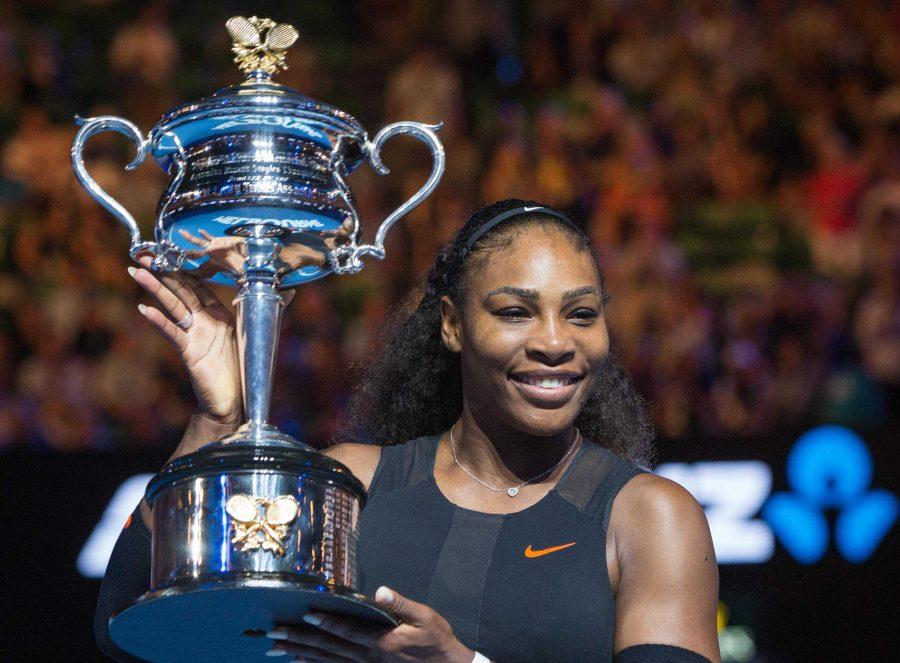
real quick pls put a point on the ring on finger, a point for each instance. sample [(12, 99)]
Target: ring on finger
[(186, 322)]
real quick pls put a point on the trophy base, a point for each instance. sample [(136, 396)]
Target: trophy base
[(228, 620)]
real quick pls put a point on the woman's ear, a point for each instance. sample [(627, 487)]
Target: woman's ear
[(451, 325)]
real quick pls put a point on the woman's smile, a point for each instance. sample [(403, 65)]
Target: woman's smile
[(547, 388)]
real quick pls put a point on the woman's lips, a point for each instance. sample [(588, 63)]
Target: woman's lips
[(547, 395)]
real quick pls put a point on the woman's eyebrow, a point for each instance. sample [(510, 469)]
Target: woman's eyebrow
[(579, 292), (527, 293), (524, 293)]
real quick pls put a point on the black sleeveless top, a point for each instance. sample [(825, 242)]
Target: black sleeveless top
[(525, 586)]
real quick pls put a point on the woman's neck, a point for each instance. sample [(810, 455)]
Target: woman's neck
[(503, 456)]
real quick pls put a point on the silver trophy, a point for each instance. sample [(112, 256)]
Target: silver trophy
[(257, 528)]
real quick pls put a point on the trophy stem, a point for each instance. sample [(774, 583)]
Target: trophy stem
[(259, 310)]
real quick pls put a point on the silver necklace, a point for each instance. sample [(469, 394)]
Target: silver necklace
[(512, 491)]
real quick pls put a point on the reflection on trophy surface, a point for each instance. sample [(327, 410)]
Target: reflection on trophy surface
[(257, 528), (228, 254)]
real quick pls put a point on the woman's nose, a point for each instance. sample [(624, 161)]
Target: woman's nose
[(551, 341)]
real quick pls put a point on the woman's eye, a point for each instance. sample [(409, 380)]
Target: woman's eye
[(584, 314), (515, 312)]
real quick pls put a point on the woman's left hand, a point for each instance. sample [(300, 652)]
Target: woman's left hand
[(423, 635)]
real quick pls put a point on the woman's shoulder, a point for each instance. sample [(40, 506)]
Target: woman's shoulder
[(652, 513), (646, 493), (360, 459)]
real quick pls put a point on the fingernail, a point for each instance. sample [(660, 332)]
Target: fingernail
[(384, 595), (311, 618), (277, 634), (276, 652), (132, 271), (142, 309)]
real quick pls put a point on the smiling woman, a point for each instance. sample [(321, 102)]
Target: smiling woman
[(504, 454), (507, 501), (414, 387)]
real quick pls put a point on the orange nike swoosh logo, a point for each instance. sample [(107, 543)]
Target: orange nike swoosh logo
[(530, 552)]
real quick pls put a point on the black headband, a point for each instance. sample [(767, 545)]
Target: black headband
[(508, 214), (500, 218)]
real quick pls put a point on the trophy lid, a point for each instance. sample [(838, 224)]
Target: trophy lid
[(260, 45)]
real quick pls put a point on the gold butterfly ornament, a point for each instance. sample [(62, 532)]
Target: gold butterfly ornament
[(261, 522), (259, 44)]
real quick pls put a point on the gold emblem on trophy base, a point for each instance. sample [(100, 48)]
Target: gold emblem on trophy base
[(259, 44), (261, 522)]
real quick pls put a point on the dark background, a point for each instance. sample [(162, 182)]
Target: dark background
[(736, 163)]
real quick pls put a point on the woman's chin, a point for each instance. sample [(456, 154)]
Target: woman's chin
[(547, 423)]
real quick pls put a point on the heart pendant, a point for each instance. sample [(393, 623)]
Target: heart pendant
[(512, 491)]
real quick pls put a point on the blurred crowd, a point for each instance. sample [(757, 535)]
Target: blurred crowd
[(737, 163)]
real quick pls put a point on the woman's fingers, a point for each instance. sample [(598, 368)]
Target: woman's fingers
[(193, 239), (307, 653), (346, 628), (170, 331), (342, 234), (171, 304), (339, 236), (404, 609), (192, 293), (306, 636)]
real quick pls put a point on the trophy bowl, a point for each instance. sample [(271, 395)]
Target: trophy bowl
[(257, 528)]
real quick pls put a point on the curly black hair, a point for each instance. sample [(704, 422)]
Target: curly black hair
[(413, 385)]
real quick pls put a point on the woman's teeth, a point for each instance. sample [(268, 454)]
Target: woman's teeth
[(548, 383)]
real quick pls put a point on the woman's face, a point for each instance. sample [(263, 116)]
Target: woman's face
[(532, 336)]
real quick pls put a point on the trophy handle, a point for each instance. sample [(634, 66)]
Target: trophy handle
[(346, 259), (166, 257)]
